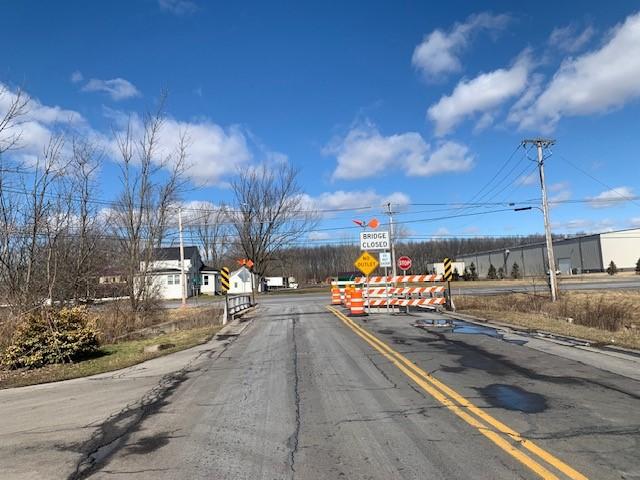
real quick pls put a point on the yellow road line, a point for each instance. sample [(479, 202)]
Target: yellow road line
[(446, 396)]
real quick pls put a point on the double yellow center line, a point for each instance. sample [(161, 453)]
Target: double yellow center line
[(500, 434)]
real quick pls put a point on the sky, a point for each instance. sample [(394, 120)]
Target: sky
[(419, 104)]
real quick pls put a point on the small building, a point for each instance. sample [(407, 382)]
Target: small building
[(164, 272), (276, 283), (573, 255), (438, 268), (243, 281), (209, 280)]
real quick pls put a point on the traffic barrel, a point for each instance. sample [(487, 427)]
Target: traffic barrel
[(347, 296), (357, 303), (335, 296)]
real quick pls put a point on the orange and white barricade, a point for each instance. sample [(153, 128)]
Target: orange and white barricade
[(357, 303)]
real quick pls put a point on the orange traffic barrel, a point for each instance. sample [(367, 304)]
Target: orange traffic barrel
[(335, 296), (357, 303), (347, 296)]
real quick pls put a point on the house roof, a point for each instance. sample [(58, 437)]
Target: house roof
[(209, 268), (173, 253)]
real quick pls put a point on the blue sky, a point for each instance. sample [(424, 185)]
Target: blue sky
[(373, 101)]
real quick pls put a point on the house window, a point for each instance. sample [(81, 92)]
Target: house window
[(205, 279), (235, 284), (173, 279)]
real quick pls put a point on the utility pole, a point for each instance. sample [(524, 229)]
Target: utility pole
[(391, 239), (542, 143), (183, 277)]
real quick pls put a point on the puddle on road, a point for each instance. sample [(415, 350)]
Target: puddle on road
[(459, 326), (511, 397), (386, 331)]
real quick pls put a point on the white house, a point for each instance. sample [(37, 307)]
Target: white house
[(164, 271), (210, 280), (242, 281)]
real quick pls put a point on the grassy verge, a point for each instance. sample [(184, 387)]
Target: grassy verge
[(111, 357), (611, 318)]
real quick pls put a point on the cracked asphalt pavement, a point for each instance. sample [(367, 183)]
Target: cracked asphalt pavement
[(300, 395)]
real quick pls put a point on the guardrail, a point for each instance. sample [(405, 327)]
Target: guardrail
[(235, 304)]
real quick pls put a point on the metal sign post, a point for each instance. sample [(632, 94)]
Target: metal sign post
[(448, 274), (224, 288)]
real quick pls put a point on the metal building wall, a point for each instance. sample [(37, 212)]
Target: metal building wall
[(580, 254)]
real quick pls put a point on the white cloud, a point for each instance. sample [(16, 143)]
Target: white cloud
[(569, 39), (178, 7), (319, 236), (448, 157), (559, 197), (558, 186), (438, 54), (441, 232), (635, 222), (530, 179), (76, 77), (612, 198), (595, 82), (212, 151), (480, 94), (584, 225), (364, 152), (36, 127), (116, 88), (369, 200)]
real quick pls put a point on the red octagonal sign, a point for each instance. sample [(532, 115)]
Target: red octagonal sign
[(404, 263)]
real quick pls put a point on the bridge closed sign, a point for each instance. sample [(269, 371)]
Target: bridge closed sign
[(375, 240)]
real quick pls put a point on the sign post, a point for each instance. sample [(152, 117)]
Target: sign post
[(366, 263), (448, 275), (224, 288), (404, 263)]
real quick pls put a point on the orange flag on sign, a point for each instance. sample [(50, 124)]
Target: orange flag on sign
[(373, 223)]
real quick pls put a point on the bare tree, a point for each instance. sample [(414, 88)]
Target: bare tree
[(269, 218), (210, 228), (151, 181)]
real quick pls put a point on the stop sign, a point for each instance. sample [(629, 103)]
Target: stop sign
[(404, 263)]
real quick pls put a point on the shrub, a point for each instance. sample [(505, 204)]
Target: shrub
[(456, 274), (51, 336), (612, 269), (466, 275), (491, 273), (500, 273), (638, 267), (473, 272), (515, 271)]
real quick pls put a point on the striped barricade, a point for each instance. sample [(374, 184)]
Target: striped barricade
[(376, 280), (406, 302), (384, 291)]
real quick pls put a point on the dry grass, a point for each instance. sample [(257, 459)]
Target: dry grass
[(607, 318), (111, 357)]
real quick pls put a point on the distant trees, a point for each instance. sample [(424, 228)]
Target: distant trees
[(612, 269), (491, 273), (515, 271)]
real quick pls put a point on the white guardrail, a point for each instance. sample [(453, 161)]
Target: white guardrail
[(235, 304)]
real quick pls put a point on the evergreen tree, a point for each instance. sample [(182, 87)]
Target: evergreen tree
[(612, 269), (500, 273), (638, 267), (455, 274), (515, 270), (465, 275), (473, 273), (491, 274)]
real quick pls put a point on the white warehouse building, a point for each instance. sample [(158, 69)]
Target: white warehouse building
[(575, 255)]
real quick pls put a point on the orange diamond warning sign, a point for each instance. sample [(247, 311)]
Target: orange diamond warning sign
[(366, 263)]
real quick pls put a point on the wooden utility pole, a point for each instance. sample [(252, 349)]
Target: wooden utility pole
[(541, 144), (183, 277)]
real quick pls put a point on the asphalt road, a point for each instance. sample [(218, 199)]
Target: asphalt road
[(305, 393)]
